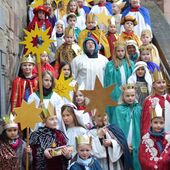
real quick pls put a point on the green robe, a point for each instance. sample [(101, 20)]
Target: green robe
[(113, 76), (121, 117)]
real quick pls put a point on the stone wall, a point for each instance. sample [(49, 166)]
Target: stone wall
[(13, 15)]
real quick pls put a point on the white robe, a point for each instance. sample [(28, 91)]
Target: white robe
[(167, 116), (97, 10), (99, 151), (86, 69)]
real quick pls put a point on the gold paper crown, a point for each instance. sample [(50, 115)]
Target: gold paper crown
[(120, 44), (47, 112), (69, 31), (8, 122), (83, 140), (128, 86), (146, 32), (129, 18), (157, 75), (111, 21), (145, 48), (91, 18), (120, 3), (28, 59)]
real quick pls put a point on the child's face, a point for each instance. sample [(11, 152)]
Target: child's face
[(146, 39), (159, 86), (27, 68), (66, 70), (128, 26), (41, 15), (131, 49), (100, 121), (72, 22), (90, 45), (79, 98), (120, 52), (51, 122), (129, 96), (59, 28), (102, 1), (12, 133), (135, 3), (47, 81), (67, 118), (80, 3), (115, 8), (112, 28), (84, 151), (90, 25), (69, 39), (157, 124), (44, 58), (73, 7), (140, 72), (146, 55)]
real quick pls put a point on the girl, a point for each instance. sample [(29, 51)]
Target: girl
[(117, 72), (142, 80), (25, 84), (72, 126), (72, 7), (48, 95), (12, 147)]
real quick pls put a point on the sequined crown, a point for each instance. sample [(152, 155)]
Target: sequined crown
[(28, 59), (157, 75), (129, 18), (83, 140), (128, 86), (69, 31), (8, 122), (146, 32), (145, 48)]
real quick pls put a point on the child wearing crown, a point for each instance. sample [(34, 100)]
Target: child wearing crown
[(84, 159), (12, 148), (127, 116), (45, 139), (25, 84), (155, 145)]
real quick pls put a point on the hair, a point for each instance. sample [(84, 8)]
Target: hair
[(68, 7), (71, 15), (62, 64), (51, 75), (70, 109)]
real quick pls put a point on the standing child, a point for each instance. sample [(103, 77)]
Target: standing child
[(128, 117), (84, 158)]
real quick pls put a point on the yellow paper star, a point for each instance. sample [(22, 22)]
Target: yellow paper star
[(37, 50), (37, 3), (102, 18), (62, 86), (99, 97), (27, 115)]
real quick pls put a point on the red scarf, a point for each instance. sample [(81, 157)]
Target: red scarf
[(135, 9)]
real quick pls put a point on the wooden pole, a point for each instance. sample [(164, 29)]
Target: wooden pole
[(27, 154)]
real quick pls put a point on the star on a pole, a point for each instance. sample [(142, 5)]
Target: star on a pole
[(27, 115), (99, 97)]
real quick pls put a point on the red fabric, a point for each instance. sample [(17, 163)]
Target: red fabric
[(101, 4), (128, 34), (81, 107), (144, 157), (41, 8), (45, 67), (18, 90), (135, 9)]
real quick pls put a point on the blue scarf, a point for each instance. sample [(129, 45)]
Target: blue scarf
[(85, 163)]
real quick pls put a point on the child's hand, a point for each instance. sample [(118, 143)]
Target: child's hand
[(107, 142), (28, 149), (47, 153), (130, 148), (101, 132), (66, 152)]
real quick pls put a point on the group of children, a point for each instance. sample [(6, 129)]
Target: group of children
[(131, 135)]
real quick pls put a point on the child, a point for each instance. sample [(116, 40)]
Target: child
[(129, 22), (44, 139), (142, 79), (146, 38), (84, 10), (109, 145), (84, 158), (71, 21), (48, 96), (146, 56), (132, 50), (72, 126), (12, 148), (72, 7), (93, 32), (25, 84), (154, 148), (58, 34), (44, 65), (128, 116)]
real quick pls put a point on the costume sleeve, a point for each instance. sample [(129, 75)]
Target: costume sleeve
[(74, 67)]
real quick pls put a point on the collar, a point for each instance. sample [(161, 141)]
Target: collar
[(128, 34), (86, 162), (135, 9), (101, 4)]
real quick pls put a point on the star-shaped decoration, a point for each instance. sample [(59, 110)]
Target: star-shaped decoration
[(62, 86), (102, 18), (99, 97), (27, 115), (37, 3)]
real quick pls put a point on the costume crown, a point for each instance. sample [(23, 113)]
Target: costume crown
[(112, 21), (146, 32), (83, 140), (128, 86), (47, 112), (120, 3), (145, 48), (157, 75), (120, 44), (69, 31), (129, 18), (8, 122), (91, 18), (28, 59)]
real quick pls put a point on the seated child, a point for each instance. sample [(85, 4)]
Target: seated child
[(84, 159)]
